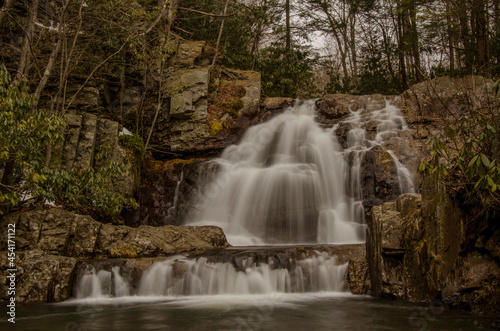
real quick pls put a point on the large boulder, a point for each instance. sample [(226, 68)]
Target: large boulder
[(59, 232), (40, 277)]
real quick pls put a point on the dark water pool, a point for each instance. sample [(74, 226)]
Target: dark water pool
[(270, 312)]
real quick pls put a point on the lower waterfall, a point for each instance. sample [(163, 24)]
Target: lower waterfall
[(181, 276)]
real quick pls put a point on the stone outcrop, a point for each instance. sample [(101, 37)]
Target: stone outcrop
[(188, 122), (50, 242), (188, 92), (167, 191), (417, 251), (92, 142), (385, 245)]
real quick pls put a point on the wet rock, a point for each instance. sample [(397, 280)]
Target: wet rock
[(40, 277), (333, 107), (358, 277), (167, 191), (385, 249), (415, 252)]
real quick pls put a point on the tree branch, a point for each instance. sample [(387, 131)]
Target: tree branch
[(203, 13)]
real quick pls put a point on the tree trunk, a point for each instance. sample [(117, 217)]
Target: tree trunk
[(287, 27), (413, 34), (353, 48), (401, 48), (24, 65), (450, 39), (52, 58), (463, 18), (220, 34), (7, 5), (479, 25)]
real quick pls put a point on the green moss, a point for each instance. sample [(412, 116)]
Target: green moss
[(216, 127), (134, 143), (124, 252), (178, 163), (232, 107)]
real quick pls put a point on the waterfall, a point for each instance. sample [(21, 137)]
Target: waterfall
[(289, 181), (101, 283), (181, 276)]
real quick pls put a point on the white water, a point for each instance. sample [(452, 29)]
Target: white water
[(102, 284), (289, 181), (180, 276)]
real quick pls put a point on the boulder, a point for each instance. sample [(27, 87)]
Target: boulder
[(333, 107), (59, 232), (40, 277)]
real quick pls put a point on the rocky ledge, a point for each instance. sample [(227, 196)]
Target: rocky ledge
[(51, 242), (417, 251)]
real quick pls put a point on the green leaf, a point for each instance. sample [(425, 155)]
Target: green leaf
[(471, 163), (485, 160)]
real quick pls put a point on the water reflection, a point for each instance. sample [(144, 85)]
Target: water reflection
[(321, 311)]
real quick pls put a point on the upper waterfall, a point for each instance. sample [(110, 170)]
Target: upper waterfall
[(289, 181)]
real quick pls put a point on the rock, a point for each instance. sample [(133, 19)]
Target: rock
[(250, 82), (408, 204), (168, 191), (59, 232), (144, 241), (358, 277), (92, 142), (384, 251), (40, 277), (188, 52), (429, 106), (333, 107), (276, 103), (188, 127), (86, 144), (379, 177), (106, 142), (415, 252), (50, 241), (72, 136), (88, 99)]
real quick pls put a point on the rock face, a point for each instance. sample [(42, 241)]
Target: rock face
[(50, 242), (188, 90), (385, 246), (186, 123), (417, 250), (92, 142)]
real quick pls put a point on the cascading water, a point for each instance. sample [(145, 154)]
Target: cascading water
[(289, 181), (181, 276)]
